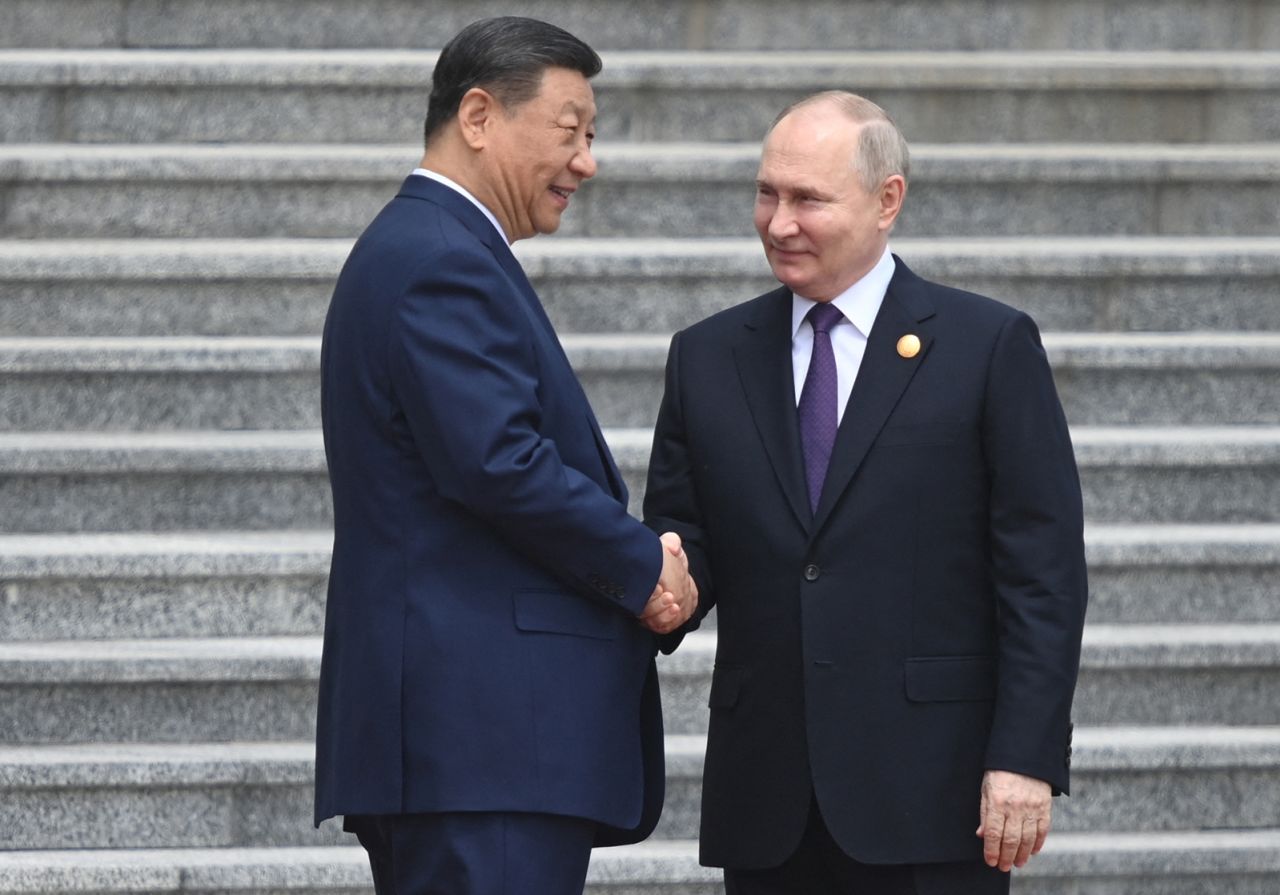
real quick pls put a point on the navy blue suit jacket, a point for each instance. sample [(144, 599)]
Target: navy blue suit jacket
[(481, 648), (924, 624)]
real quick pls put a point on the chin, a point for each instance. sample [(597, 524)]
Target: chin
[(792, 282), (548, 226)]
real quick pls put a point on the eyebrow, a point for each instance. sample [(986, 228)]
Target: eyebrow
[(571, 106), (802, 192)]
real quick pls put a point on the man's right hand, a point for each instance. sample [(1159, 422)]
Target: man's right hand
[(676, 596)]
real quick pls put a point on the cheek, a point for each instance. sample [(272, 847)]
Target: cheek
[(762, 217)]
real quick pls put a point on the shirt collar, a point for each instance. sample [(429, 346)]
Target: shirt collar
[(859, 304), (457, 188)]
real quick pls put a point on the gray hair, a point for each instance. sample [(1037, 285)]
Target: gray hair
[(882, 150)]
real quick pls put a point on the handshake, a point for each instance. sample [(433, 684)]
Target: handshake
[(676, 596)]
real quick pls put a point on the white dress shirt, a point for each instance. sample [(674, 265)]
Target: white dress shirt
[(440, 178), (859, 304)]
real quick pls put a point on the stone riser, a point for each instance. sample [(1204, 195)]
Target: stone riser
[(174, 711), (1216, 695), (1115, 396), (1155, 800), (271, 806), (62, 289), (167, 817), (56, 608), (382, 101), (1195, 595), (664, 302), (625, 390), (252, 209), (169, 586), (175, 501), (722, 24)]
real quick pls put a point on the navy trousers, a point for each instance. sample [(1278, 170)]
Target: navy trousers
[(476, 853), (820, 866)]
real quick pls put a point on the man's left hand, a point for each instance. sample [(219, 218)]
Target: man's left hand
[(1014, 818)]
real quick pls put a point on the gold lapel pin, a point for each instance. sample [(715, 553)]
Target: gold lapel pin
[(909, 346)]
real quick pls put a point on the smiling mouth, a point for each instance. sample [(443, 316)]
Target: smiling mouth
[(561, 192)]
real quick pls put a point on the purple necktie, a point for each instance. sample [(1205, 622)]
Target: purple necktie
[(817, 407)]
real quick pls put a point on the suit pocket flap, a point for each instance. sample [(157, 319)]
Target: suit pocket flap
[(951, 678), (560, 612), (726, 684)]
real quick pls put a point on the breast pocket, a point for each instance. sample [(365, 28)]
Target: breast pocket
[(917, 434), (560, 612)]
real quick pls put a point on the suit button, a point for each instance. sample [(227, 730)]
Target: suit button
[(812, 572)]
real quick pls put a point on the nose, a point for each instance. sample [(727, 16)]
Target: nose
[(782, 223), (583, 163)]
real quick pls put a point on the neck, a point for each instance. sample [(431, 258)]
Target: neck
[(466, 174)]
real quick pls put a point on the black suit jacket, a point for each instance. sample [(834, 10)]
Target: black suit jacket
[(924, 624)]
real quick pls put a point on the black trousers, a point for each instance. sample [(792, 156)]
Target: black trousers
[(475, 853), (820, 866)]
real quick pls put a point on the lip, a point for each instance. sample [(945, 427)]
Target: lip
[(786, 253), (562, 194)]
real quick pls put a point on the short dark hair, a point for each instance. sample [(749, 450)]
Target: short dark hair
[(506, 56)]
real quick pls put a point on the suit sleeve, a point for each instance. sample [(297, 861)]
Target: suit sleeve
[(670, 497), (1037, 555), (465, 373)]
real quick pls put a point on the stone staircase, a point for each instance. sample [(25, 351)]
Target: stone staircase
[(180, 182)]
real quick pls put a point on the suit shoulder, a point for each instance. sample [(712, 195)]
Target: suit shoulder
[(971, 309), (412, 240), (733, 318)]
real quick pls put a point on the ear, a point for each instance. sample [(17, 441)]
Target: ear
[(892, 193), (475, 116)]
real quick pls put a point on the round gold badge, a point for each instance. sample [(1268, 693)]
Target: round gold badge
[(909, 346)]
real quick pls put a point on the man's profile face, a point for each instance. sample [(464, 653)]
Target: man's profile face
[(821, 229), (541, 153)]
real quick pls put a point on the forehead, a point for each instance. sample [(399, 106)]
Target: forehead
[(564, 92), (807, 147)]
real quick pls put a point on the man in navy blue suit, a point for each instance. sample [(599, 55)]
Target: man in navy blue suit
[(489, 704), (875, 485)]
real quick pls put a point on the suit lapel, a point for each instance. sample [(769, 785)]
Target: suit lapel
[(541, 321), (882, 378), (763, 356)]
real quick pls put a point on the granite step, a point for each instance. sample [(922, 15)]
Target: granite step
[(259, 480), (1103, 378), (669, 190), (377, 96), (282, 287), (1180, 574), (242, 794), (1131, 779), (1180, 863), (170, 584), (272, 583), (691, 24), (1177, 863), (174, 383), (264, 688), (1210, 674)]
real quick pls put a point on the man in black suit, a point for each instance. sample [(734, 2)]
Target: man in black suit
[(874, 481)]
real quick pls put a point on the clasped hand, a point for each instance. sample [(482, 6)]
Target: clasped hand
[(676, 596)]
